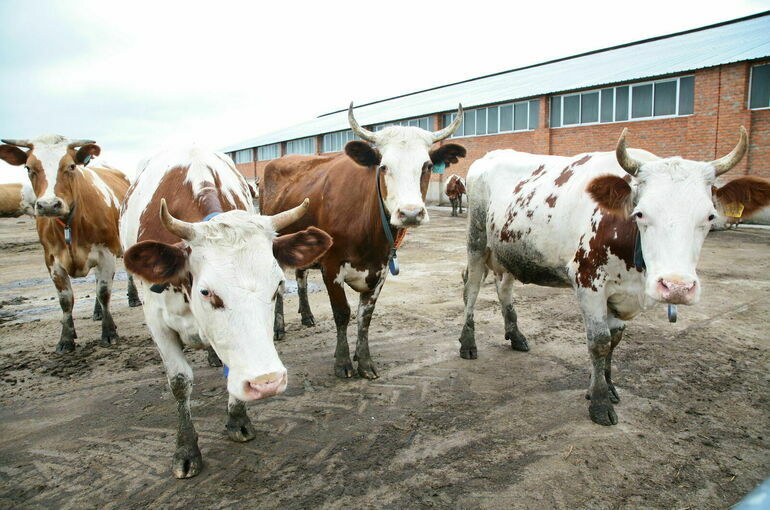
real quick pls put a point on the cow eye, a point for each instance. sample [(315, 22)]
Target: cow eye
[(711, 217), (383, 169), (71, 168), (205, 293), (639, 214)]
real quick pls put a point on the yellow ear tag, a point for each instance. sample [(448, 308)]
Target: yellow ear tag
[(734, 210)]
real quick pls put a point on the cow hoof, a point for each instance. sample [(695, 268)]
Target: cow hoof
[(134, 302), (469, 352), (109, 339), (518, 341), (65, 346), (97, 316), (367, 371), (278, 335), (308, 321), (213, 359), (613, 394), (187, 461), (603, 414), (344, 371), (240, 430)]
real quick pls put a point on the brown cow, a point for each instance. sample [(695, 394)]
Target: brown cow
[(344, 202), (455, 189), (13, 201), (77, 210)]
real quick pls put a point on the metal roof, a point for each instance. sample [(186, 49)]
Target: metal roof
[(724, 43)]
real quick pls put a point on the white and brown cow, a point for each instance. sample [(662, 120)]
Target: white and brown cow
[(210, 270), (16, 199), (77, 210), (455, 189), (575, 221)]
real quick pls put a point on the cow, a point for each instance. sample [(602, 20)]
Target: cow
[(344, 202), (209, 267), (16, 200), (455, 189), (76, 210), (624, 229)]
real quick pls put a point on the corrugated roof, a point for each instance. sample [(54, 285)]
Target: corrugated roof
[(724, 43)]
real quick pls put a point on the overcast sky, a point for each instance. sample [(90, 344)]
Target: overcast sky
[(137, 75)]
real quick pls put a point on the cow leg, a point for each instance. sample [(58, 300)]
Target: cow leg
[(504, 284), (617, 327), (239, 427), (105, 271), (343, 367), (187, 460), (212, 357), (366, 306), (304, 304), (460, 203), (97, 316), (133, 294), (279, 330), (453, 200), (473, 276), (61, 281), (593, 307)]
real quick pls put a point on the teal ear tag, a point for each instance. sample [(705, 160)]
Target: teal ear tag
[(438, 168), (85, 161)]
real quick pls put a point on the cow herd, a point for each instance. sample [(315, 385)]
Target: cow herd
[(624, 229)]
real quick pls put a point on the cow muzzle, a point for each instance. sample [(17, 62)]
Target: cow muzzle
[(267, 385), (52, 207), (677, 291), (410, 216)]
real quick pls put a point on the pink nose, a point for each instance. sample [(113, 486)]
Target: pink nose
[(411, 215), (266, 386), (676, 292)]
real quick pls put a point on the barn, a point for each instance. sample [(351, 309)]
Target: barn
[(681, 94)]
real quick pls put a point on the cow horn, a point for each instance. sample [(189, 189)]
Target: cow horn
[(725, 163), (18, 143), (177, 227), (286, 218), (625, 160), (363, 134), (77, 143), (451, 128)]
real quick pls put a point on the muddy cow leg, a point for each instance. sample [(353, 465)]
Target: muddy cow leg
[(504, 284), (105, 271), (460, 203), (212, 357), (616, 334), (593, 307), (473, 277), (279, 329), (66, 300), (304, 304), (239, 427), (133, 294), (454, 206), (366, 306), (187, 460), (343, 367), (97, 316)]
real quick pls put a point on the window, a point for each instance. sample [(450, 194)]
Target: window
[(662, 98), (425, 123), (244, 156), (759, 92), (335, 142), (268, 152), (497, 119), (301, 146)]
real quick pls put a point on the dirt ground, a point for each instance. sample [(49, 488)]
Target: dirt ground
[(95, 429)]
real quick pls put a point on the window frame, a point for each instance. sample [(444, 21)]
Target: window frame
[(500, 131), (751, 81), (276, 144)]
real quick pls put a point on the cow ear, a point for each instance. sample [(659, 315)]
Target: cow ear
[(156, 262), (753, 193), (363, 153), (86, 152), (301, 249), (612, 193), (447, 154), (12, 155)]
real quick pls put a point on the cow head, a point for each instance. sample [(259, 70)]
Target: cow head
[(405, 161), (52, 162), (229, 269), (674, 202)]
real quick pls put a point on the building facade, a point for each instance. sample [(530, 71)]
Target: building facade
[(670, 109)]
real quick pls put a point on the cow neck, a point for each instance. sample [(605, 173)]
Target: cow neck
[(390, 233), (75, 220)]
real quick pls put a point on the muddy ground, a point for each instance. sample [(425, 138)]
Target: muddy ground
[(95, 429)]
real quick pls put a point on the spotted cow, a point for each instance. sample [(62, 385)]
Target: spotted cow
[(455, 189), (209, 267), (575, 222), (344, 202)]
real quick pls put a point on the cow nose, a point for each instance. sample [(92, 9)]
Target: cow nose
[(675, 291), (267, 385), (53, 205), (411, 215)]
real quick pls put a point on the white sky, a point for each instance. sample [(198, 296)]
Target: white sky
[(138, 75)]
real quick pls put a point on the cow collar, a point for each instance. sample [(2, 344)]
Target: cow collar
[(67, 225), (392, 258)]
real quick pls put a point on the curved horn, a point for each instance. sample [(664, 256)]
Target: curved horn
[(625, 160), (363, 134), (286, 218), (177, 227), (451, 128), (77, 143), (725, 163), (18, 143)]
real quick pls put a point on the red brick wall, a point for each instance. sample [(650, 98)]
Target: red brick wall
[(721, 106)]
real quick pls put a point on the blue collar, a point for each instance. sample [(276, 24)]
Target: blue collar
[(208, 217)]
